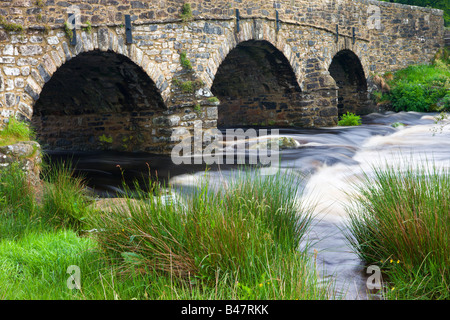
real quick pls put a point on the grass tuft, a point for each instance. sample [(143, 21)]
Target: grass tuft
[(15, 131), (401, 221)]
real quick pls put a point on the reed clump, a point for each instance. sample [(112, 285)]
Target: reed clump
[(401, 221)]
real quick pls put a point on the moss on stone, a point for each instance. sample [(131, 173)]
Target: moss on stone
[(213, 99), (186, 12), (106, 139), (10, 27), (68, 31), (88, 27), (185, 63)]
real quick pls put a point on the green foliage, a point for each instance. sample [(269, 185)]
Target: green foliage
[(105, 139), (88, 27), (421, 88), (188, 86), (15, 131), (185, 63), (17, 204), (237, 233), (15, 192), (400, 220), (186, 12), (65, 199), (397, 125), (380, 97), (349, 119), (10, 27), (213, 99), (68, 31), (34, 266)]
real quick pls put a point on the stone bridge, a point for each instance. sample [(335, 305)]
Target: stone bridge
[(139, 75)]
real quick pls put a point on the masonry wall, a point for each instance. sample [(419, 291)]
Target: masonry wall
[(306, 35)]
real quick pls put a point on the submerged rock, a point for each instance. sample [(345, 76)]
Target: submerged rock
[(281, 142), (124, 204), (397, 125)]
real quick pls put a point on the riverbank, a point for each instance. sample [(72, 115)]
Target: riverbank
[(235, 244), (420, 88)]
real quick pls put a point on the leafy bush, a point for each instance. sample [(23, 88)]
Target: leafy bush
[(421, 88), (349, 119)]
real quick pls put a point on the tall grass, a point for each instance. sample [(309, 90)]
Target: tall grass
[(239, 242), (401, 221), (242, 238), (65, 200), (15, 131), (18, 210)]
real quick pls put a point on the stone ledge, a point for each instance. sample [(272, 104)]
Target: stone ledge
[(27, 154)]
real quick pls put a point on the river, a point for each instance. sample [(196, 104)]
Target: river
[(332, 159)]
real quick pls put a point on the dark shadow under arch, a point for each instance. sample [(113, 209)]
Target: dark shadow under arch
[(256, 85), (347, 71), (95, 101)]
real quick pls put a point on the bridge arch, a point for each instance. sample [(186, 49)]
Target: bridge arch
[(348, 72), (255, 84), (254, 30), (97, 98), (257, 77)]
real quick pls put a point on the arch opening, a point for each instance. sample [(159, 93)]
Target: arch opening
[(98, 101), (347, 71), (256, 85)]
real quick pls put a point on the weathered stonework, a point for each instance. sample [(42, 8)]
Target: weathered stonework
[(382, 36), (27, 154)]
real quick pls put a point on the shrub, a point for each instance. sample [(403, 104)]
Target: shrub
[(349, 119), (421, 88)]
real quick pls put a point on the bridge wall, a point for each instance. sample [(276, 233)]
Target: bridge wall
[(384, 36)]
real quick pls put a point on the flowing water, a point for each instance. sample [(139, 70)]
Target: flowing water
[(332, 159)]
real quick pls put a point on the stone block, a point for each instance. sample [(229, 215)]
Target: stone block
[(30, 50)]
